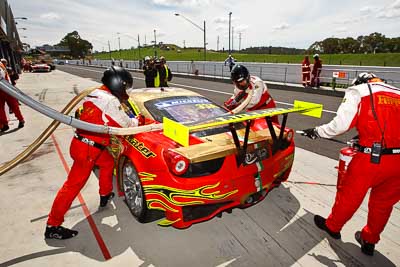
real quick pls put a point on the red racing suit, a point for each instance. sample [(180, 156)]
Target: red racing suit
[(316, 72), (384, 178), (99, 107), (5, 98), (306, 72)]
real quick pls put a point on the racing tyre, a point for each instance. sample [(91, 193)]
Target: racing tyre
[(133, 190)]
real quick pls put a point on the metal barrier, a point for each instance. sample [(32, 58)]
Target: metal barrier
[(274, 72)]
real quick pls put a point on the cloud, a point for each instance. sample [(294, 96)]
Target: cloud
[(281, 27), (177, 3), (221, 20), (367, 10), (241, 28), (221, 28), (396, 4), (224, 20), (50, 16), (390, 12), (341, 29)]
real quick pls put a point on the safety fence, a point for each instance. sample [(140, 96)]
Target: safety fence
[(334, 76)]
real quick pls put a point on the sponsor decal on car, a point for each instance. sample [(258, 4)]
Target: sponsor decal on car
[(139, 146)]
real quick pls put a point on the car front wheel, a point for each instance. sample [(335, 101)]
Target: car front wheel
[(133, 191)]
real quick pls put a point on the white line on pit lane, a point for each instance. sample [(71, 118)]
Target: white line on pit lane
[(203, 89)]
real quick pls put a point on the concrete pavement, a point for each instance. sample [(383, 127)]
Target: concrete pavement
[(276, 232)]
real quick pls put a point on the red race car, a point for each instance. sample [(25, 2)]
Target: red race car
[(41, 67), (204, 162)]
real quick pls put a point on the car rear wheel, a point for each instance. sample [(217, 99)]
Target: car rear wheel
[(133, 190)]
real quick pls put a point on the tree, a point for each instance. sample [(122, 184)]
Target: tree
[(349, 45), (316, 47), (392, 45), (374, 42), (331, 45), (78, 46)]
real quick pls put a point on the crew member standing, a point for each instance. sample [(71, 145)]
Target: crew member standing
[(103, 107), (231, 62), (149, 71), (373, 108), (306, 71), (11, 101), (316, 71), (244, 82), (164, 74)]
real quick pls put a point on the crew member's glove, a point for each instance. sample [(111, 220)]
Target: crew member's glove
[(141, 119), (230, 104), (310, 133)]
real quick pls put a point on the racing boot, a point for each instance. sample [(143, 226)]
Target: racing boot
[(104, 199), (4, 128), (366, 248), (59, 232), (21, 124), (320, 222)]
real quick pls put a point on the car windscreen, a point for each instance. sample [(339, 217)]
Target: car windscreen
[(183, 108)]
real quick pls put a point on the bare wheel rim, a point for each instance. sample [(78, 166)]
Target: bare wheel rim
[(132, 188)]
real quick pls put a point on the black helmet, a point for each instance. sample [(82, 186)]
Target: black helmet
[(118, 80), (363, 77), (238, 74)]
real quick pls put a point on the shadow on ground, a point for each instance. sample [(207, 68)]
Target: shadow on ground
[(270, 233)]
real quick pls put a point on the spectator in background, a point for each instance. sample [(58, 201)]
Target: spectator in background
[(231, 62), (193, 68), (316, 71), (164, 74), (11, 101), (149, 71), (306, 72)]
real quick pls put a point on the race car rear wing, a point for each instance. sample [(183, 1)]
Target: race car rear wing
[(180, 132)]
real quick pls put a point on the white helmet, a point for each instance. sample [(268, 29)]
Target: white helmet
[(316, 56), (363, 77)]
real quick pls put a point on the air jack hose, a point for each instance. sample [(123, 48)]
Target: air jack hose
[(45, 134), (63, 117)]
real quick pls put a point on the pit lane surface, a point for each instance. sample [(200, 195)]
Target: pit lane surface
[(278, 231), (219, 92)]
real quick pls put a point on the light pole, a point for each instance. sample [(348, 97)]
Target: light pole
[(138, 40), (199, 27), (119, 44), (109, 49), (155, 43), (230, 14)]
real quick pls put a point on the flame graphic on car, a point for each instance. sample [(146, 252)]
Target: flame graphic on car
[(165, 197)]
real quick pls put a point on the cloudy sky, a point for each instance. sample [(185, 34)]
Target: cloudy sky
[(290, 23)]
